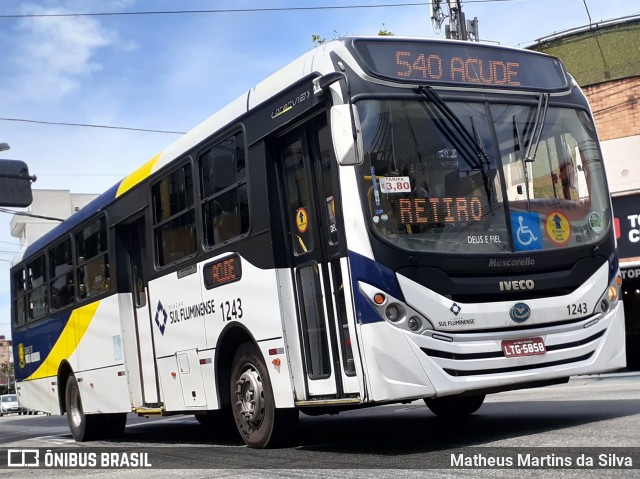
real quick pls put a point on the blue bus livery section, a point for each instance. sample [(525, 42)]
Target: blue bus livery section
[(51, 342), (368, 271)]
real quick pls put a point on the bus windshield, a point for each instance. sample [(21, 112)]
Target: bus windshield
[(481, 177)]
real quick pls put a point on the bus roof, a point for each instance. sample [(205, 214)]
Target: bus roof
[(222, 118), (317, 60)]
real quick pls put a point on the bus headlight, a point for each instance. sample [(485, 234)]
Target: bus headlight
[(414, 323), (393, 312), (613, 293)]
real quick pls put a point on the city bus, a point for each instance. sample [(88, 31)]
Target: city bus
[(383, 220)]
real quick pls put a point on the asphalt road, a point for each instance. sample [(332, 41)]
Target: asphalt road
[(559, 422)]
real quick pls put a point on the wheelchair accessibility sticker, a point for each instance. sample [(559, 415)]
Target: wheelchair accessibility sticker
[(526, 231)]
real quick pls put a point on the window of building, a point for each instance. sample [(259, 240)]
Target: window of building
[(174, 219), (93, 260), (223, 181)]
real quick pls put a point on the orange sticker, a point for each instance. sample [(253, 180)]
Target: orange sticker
[(558, 228), (302, 220)]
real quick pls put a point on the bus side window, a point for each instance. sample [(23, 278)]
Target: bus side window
[(93, 260), (223, 189), (38, 297), (19, 297), (174, 216), (61, 272)]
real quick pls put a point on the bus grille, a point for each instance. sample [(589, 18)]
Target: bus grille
[(478, 372), (495, 360)]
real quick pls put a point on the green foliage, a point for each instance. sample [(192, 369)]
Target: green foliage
[(384, 32), (6, 378), (318, 40), (600, 55)]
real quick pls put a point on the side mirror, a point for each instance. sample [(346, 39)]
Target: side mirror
[(345, 130), (15, 183)]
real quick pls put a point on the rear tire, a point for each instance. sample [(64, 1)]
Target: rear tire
[(451, 407), (87, 427), (260, 424)]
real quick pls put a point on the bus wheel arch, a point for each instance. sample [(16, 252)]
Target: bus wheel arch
[(64, 373), (84, 427), (229, 341), (259, 422)]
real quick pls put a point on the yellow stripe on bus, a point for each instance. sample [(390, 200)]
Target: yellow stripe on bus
[(137, 176), (68, 341)]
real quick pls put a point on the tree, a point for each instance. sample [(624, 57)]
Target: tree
[(384, 32), (6, 378), (320, 40)]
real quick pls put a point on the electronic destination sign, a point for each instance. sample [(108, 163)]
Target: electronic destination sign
[(461, 64)]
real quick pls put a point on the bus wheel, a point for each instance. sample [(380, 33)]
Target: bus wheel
[(454, 406), (83, 427), (87, 427), (260, 424)]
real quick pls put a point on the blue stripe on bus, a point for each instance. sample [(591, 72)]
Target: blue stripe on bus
[(368, 271), (83, 214), (40, 338)]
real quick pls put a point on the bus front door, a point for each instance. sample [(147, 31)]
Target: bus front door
[(135, 313), (323, 327)]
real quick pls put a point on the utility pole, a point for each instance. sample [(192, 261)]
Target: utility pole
[(459, 28)]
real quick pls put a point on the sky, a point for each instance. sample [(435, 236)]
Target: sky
[(169, 72)]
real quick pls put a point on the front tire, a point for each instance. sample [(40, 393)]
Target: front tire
[(451, 407), (260, 424), (87, 427)]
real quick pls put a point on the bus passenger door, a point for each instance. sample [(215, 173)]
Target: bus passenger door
[(135, 314), (324, 330)]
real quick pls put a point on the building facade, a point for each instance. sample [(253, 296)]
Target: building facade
[(50, 207), (604, 59)]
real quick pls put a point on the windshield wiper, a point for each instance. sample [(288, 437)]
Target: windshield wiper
[(538, 125), (523, 159), (533, 141), (470, 145)]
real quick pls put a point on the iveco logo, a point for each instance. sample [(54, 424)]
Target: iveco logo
[(516, 285), (520, 312)]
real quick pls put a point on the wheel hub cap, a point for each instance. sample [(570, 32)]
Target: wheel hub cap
[(249, 393)]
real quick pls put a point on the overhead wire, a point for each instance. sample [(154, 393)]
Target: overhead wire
[(89, 125), (233, 10)]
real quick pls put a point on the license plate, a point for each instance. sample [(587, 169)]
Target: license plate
[(515, 348)]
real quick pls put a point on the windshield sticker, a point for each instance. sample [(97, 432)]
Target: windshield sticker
[(526, 231), (395, 184), (376, 193), (595, 221), (302, 220), (558, 228)]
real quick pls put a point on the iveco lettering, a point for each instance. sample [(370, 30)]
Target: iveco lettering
[(517, 285), (382, 220)]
